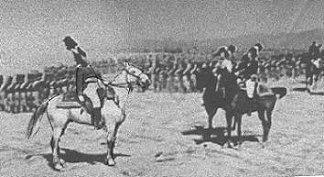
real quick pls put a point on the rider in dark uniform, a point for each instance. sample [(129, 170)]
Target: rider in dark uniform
[(88, 83), (314, 50), (248, 70), (314, 66)]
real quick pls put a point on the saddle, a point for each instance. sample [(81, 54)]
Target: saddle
[(69, 101)]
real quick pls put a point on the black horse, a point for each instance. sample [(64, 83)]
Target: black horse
[(222, 91), (312, 69)]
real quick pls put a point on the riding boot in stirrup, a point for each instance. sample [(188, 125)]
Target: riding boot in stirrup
[(96, 116)]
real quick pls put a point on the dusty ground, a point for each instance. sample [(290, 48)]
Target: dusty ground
[(164, 136)]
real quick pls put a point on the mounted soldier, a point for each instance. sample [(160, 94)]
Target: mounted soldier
[(314, 65), (89, 85), (227, 57), (314, 50), (248, 70)]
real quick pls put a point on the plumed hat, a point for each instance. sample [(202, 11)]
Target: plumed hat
[(69, 43)]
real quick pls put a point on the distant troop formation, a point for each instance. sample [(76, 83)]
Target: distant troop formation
[(168, 73), (24, 92), (174, 73)]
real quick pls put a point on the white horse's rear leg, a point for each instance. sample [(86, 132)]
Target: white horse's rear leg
[(57, 162)]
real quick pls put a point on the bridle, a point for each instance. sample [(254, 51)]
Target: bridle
[(127, 85)]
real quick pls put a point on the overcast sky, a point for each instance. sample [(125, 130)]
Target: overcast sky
[(31, 31)]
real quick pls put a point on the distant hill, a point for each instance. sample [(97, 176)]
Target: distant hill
[(300, 40)]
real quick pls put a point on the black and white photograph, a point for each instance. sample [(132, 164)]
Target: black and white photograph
[(161, 88)]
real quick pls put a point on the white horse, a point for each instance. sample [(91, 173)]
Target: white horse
[(113, 112)]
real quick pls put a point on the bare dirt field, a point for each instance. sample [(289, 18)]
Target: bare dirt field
[(164, 136)]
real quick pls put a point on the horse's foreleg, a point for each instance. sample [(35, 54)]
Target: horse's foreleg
[(211, 111), (229, 117), (264, 124), (238, 119), (267, 129), (110, 143)]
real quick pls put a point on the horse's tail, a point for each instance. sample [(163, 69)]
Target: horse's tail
[(33, 125), (279, 91)]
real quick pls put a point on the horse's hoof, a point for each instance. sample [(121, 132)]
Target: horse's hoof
[(58, 166), (110, 162), (62, 162), (230, 144)]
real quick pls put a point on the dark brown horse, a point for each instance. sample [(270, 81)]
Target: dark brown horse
[(313, 69), (220, 92)]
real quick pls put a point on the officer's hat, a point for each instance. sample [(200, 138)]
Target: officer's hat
[(69, 43)]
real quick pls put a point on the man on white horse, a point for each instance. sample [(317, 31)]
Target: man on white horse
[(90, 89)]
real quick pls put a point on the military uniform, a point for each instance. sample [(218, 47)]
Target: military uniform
[(193, 77), (89, 84), (170, 78), (249, 73), (10, 102), (187, 83), (178, 78)]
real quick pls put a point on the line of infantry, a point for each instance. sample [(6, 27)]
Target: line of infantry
[(172, 73), (179, 74), (24, 92)]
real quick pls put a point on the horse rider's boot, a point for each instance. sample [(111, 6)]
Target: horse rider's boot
[(250, 87), (96, 118), (250, 90), (234, 102)]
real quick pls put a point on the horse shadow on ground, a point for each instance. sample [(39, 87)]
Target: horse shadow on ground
[(317, 93), (72, 156), (304, 89), (301, 89), (216, 135)]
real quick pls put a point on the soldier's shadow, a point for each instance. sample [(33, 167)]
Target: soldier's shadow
[(72, 156), (216, 135)]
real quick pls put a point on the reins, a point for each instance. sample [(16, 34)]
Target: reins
[(127, 85)]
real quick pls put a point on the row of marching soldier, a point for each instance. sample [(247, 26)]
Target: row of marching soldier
[(24, 92), (171, 73)]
